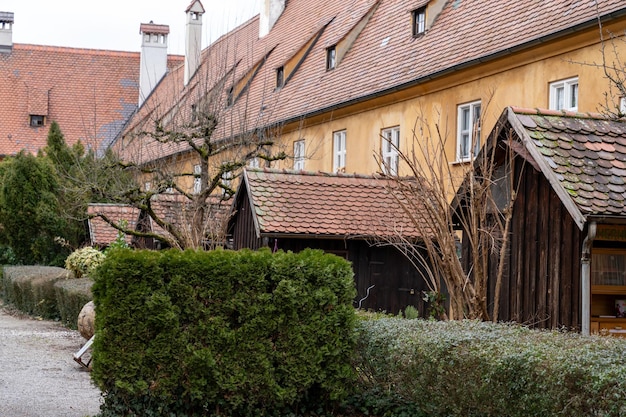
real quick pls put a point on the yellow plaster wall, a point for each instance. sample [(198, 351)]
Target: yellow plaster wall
[(521, 79)]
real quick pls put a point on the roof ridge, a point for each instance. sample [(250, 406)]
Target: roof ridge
[(537, 111), (314, 173)]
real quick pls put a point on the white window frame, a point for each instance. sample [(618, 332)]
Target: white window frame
[(254, 162), (331, 58), (197, 180), (564, 94), (298, 155), (468, 131), (339, 150), (390, 150)]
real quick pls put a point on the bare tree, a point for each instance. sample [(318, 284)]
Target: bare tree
[(187, 145), (469, 202)]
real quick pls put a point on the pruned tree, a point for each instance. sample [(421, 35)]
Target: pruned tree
[(185, 149), (448, 203)]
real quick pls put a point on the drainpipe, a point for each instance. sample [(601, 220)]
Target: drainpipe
[(585, 278)]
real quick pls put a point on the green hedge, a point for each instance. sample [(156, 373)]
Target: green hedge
[(71, 297), (222, 333), (427, 368), (31, 289)]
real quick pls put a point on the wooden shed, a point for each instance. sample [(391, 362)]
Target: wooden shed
[(566, 264), (347, 215)]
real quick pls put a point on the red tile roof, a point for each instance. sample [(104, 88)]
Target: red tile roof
[(582, 155), (90, 93), (384, 57), (326, 205), (102, 233)]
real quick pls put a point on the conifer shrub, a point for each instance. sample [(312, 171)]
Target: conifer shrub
[(222, 333), (470, 368)]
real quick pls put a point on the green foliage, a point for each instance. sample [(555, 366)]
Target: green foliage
[(71, 296), (29, 210), (411, 313), (120, 239), (469, 368), (222, 333), (84, 261), (31, 289)]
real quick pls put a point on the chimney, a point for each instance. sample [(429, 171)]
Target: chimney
[(193, 39), (153, 61), (270, 12), (6, 32)]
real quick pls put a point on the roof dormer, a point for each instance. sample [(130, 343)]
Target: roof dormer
[(270, 12), (423, 17)]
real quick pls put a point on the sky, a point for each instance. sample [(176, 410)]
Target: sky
[(114, 24)]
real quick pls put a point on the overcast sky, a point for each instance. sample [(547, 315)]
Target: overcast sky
[(114, 24)]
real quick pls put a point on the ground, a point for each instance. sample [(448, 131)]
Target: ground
[(38, 376)]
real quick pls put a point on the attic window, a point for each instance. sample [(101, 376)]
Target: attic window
[(331, 58), (419, 21), (195, 16), (229, 96), (280, 77), (36, 120)]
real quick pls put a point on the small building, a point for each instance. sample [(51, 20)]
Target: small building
[(101, 233), (352, 216), (566, 263)]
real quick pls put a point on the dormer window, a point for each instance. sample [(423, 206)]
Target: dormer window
[(280, 77), (419, 21), (37, 121), (331, 58), (229, 96), (195, 16)]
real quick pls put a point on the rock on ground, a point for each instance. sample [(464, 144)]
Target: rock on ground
[(38, 376)]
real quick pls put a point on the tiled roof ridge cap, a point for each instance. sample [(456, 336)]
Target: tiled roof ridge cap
[(374, 176), (110, 205), (32, 47), (536, 111)]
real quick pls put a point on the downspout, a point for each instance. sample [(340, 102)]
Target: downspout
[(585, 279)]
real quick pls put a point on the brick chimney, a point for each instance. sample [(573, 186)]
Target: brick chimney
[(153, 61), (270, 12), (193, 39), (6, 32)]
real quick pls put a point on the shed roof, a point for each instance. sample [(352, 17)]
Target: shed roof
[(583, 156), (317, 204), (102, 233)]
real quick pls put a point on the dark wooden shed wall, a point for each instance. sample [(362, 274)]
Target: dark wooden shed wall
[(541, 285)]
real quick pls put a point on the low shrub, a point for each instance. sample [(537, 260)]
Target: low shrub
[(468, 368), (31, 289), (84, 261), (222, 333), (71, 296)]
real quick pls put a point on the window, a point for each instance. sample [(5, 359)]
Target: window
[(419, 21), (254, 163), (230, 99), (280, 77), (390, 150), (564, 95), (197, 180), (147, 186), (298, 155), (331, 57), (226, 183), (36, 121), (622, 105), (339, 150), (468, 131)]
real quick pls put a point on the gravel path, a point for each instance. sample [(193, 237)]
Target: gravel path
[(38, 376)]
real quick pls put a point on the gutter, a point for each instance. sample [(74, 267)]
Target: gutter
[(585, 279)]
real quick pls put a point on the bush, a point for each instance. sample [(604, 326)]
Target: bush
[(84, 261), (71, 297), (468, 368), (31, 289), (222, 333)]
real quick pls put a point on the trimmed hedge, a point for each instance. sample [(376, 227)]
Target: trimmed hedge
[(222, 333), (31, 289), (428, 368), (71, 297)]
